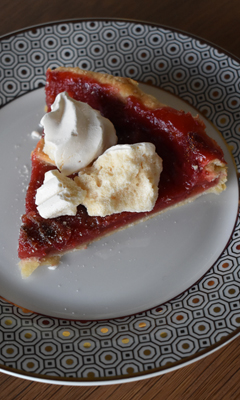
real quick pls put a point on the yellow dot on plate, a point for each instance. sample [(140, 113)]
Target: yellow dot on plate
[(211, 283), (87, 345), (147, 352), (66, 333), (125, 340), (8, 322), (69, 361), (142, 324), (195, 300), (225, 265), (223, 120), (104, 330), (179, 317), (201, 328), (28, 335), (163, 334)]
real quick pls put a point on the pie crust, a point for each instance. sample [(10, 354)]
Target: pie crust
[(193, 163)]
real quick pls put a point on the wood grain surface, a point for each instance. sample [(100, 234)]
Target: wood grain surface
[(216, 376)]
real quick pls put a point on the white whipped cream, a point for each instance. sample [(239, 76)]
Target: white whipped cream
[(124, 178), (75, 134), (58, 195)]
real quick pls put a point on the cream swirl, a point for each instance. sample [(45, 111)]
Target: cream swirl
[(75, 134)]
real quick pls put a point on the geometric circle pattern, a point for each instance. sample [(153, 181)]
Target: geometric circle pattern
[(202, 317)]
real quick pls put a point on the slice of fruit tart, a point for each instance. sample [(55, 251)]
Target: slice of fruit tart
[(109, 156)]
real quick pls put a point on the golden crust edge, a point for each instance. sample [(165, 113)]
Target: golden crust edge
[(124, 87)]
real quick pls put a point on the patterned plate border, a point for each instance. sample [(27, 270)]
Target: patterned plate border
[(202, 318)]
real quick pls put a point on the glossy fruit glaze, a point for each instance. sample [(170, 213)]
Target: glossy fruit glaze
[(179, 138)]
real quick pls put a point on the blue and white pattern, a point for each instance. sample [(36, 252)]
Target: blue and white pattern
[(203, 317)]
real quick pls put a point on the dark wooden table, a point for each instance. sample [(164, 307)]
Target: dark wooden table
[(217, 375)]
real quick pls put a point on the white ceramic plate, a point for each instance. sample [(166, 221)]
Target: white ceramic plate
[(144, 266), (126, 273)]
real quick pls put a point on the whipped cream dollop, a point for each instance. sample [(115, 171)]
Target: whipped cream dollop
[(75, 134), (58, 195), (123, 178)]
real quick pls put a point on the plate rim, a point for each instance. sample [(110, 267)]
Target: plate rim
[(129, 20), (121, 378)]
